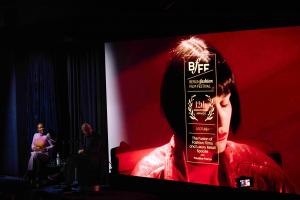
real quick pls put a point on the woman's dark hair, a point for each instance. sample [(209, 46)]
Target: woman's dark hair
[(172, 89)]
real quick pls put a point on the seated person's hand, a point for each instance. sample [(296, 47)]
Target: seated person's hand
[(80, 151), (35, 148), (39, 149)]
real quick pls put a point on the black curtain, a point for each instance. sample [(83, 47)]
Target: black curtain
[(36, 99), (86, 97), (62, 87), (8, 136), (82, 92)]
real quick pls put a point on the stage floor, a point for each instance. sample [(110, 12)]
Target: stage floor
[(124, 187)]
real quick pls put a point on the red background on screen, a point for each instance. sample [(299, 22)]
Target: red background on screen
[(266, 64)]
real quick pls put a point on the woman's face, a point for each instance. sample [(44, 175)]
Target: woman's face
[(224, 110), (40, 128)]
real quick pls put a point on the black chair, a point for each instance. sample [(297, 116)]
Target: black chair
[(90, 175)]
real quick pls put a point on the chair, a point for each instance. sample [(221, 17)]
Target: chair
[(123, 162), (90, 176)]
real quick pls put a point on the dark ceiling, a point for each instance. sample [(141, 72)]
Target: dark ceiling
[(114, 19)]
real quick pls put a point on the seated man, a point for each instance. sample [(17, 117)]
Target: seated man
[(41, 146), (87, 161)]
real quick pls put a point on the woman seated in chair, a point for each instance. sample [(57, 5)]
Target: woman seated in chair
[(41, 146)]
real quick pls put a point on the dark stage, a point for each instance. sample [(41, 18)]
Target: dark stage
[(124, 187)]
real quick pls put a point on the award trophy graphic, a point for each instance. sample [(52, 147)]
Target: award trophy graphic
[(200, 81)]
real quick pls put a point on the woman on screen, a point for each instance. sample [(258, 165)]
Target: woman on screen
[(235, 160)]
